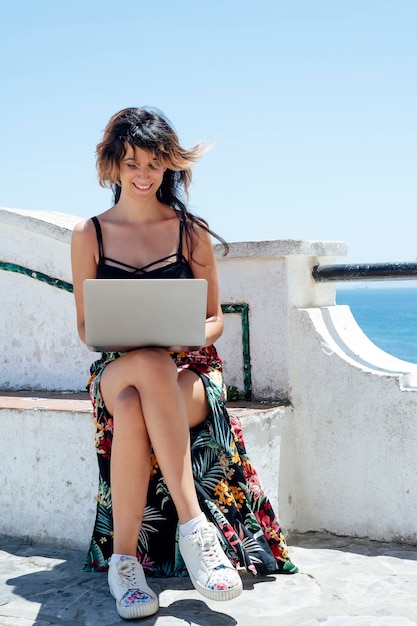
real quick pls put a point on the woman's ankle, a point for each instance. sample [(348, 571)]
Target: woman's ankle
[(115, 557), (192, 524)]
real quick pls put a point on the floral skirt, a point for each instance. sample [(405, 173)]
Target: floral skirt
[(227, 484)]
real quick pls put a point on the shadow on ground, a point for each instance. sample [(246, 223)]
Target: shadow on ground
[(57, 592), (354, 545)]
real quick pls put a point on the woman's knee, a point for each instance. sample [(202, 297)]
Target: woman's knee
[(146, 370), (156, 358), (154, 367)]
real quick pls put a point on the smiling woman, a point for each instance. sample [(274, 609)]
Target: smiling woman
[(140, 172), (157, 138), (174, 457)]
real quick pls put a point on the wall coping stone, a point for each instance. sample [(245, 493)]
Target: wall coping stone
[(60, 226)]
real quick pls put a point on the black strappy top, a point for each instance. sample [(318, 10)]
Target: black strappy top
[(177, 268)]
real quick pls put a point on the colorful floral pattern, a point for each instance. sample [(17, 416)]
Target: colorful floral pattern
[(223, 578), (227, 485), (134, 597)]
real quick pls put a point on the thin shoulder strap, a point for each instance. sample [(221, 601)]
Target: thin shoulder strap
[(99, 237), (182, 225)]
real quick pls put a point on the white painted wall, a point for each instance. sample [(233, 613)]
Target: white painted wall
[(348, 458), (38, 335), (49, 475), (340, 457), (272, 277)]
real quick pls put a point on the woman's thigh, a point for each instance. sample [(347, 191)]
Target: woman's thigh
[(152, 368)]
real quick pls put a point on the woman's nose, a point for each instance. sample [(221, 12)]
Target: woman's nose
[(142, 171)]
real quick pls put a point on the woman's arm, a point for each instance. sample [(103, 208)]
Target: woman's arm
[(84, 265), (203, 265)]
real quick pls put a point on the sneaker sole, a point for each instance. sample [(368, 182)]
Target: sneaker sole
[(218, 594)]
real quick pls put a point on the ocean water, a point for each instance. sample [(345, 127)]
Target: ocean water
[(388, 316)]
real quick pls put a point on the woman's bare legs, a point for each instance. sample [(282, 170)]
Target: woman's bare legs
[(153, 405), (150, 404), (129, 468)]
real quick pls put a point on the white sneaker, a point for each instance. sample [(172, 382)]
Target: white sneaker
[(128, 586), (211, 572)]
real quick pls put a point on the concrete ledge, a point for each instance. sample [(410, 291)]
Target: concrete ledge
[(50, 467)]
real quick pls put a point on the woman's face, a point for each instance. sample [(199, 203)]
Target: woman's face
[(140, 173)]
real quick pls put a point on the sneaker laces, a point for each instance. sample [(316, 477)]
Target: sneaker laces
[(128, 570), (212, 554)]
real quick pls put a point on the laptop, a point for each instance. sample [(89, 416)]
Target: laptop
[(123, 314)]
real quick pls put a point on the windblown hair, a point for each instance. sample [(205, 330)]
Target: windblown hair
[(150, 130)]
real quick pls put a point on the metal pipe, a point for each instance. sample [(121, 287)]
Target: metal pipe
[(364, 271)]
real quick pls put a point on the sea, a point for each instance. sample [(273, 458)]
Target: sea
[(387, 315)]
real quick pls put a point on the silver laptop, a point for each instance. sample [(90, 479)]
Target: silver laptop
[(122, 314)]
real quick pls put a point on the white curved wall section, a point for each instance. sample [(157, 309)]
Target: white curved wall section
[(351, 461)]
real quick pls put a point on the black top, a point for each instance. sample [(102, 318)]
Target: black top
[(110, 268)]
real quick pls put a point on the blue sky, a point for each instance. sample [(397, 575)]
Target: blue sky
[(311, 105)]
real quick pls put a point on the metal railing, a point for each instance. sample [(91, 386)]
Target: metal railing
[(364, 271)]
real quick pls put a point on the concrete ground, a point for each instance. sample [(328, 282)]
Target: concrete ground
[(342, 581)]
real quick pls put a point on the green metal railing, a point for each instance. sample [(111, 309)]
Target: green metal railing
[(44, 278), (241, 309)]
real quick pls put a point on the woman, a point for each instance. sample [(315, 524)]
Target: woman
[(147, 401)]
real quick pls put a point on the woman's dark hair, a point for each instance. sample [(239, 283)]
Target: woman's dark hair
[(150, 130)]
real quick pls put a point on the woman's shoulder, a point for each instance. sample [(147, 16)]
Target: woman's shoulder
[(84, 232), (201, 233), (194, 223), (83, 225), (198, 245), (87, 225)]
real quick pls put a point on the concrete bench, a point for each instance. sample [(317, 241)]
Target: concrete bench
[(50, 468)]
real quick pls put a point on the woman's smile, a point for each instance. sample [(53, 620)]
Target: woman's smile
[(142, 187)]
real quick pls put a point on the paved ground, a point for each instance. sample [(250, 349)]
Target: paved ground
[(342, 581)]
